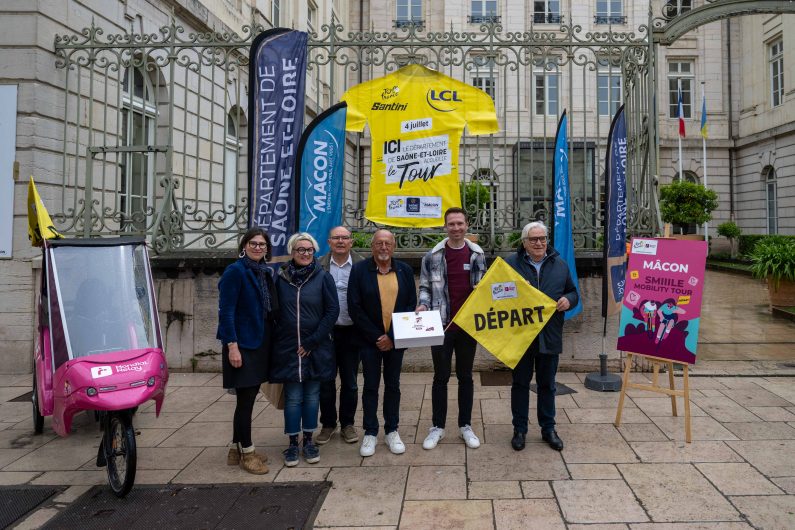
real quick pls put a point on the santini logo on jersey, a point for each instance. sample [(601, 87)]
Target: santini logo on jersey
[(390, 106), (443, 100)]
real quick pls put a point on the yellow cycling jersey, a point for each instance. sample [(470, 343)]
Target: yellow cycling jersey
[(416, 118)]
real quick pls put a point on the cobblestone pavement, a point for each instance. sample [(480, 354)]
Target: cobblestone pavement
[(739, 471)]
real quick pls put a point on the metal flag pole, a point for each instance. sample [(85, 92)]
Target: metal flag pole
[(704, 154)]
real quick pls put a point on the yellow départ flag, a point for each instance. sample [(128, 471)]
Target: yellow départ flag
[(40, 226), (504, 313)]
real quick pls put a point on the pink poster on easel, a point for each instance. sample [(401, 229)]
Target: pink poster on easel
[(661, 311)]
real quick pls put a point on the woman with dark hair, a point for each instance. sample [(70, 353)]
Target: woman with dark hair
[(303, 350), (245, 305)]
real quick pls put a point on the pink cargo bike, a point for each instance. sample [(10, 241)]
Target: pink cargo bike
[(99, 346)]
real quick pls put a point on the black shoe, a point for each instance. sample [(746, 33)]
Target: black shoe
[(517, 442), (552, 438)]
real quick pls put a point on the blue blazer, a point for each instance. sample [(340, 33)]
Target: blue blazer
[(240, 314)]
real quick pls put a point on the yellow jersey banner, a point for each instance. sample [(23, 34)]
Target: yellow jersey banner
[(40, 226), (416, 117), (504, 313)]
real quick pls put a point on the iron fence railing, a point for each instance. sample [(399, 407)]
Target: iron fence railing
[(155, 125)]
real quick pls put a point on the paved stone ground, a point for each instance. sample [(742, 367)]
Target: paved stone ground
[(738, 472)]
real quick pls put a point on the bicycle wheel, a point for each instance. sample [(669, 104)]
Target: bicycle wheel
[(120, 453), (38, 419)]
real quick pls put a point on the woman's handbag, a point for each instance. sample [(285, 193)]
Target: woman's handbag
[(274, 392)]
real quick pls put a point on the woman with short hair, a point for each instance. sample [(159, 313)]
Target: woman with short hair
[(303, 352), (246, 303)]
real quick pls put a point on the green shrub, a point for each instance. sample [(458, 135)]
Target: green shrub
[(474, 195), (683, 203), (729, 230), (748, 242), (361, 239), (774, 259)]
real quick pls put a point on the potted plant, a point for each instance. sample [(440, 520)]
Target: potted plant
[(732, 232), (685, 203), (773, 259)]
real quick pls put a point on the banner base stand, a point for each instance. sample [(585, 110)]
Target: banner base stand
[(603, 381)]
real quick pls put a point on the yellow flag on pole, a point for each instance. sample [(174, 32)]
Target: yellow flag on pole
[(40, 226), (504, 313)]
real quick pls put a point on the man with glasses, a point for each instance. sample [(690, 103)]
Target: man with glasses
[(449, 273), (338, 262), (548, 272), (379, 287)]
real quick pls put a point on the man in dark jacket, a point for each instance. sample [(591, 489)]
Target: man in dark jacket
[(377, 288), (548, 272), (338, 262)]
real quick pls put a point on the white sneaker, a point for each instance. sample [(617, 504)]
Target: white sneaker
[(395, 443), (434, 435), (368, 445), (469, 436)]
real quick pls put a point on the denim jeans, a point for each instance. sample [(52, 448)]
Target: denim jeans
[(464, 346), (546, 367), (300, 406), (348, 366), (392, 361)]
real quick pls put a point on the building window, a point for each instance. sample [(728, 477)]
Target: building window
[(680, 77), (546, 90), (547, 12), (231, 156), (138, 116), (777, 72), (484, 75), (610, 12), (486, 83), (484, 11), (275, 8), (608, 84), (675, 8), (769, 174), (409, 12), (690, 176), (311, 16)]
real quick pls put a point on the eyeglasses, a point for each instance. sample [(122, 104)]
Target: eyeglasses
[(340, 238), (304, 250), (254, 244), (532, 240)]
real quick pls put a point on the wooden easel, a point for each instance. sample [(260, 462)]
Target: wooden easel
[(655, 387)]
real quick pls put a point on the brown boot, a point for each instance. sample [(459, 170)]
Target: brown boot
[(233, 457), (252, 463)]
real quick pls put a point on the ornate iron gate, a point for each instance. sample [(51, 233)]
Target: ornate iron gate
[(155, 128)]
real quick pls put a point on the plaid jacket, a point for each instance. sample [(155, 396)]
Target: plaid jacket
[(433, 277)]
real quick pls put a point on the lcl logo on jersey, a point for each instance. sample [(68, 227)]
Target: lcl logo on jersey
[(443, 100)]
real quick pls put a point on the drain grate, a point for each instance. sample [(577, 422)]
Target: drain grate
[(505, 378), (15, 502), (284, 505)]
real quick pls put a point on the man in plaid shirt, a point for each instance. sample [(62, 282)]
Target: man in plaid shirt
[(449, 273)]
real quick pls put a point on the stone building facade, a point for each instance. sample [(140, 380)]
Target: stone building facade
[(743, 64)]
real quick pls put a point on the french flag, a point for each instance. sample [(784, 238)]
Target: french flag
[(681, 113)]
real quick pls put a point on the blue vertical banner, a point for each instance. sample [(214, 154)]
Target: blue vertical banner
[(277, 85), (615, 247), (563, 234), (321, 169)]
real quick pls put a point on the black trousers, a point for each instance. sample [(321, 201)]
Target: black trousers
[(347, 354), (546, 367), (241, 433), (464, 346)]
